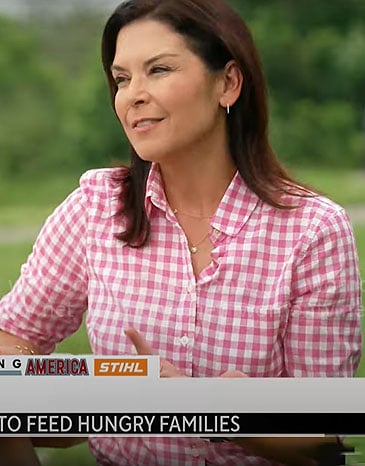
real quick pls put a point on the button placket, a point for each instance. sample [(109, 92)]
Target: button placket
[(184, 340), (198, 449)]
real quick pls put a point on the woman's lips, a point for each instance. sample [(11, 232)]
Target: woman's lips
[(147, 124)]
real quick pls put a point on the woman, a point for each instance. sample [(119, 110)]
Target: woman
[(204, 247)]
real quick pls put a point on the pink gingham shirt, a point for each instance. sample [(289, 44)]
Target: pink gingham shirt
[(281, 297)]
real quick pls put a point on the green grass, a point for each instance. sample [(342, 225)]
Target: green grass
[(31, 192), (78, 455), (18, 216), (11, 258), (78, 343), (360, 243), (358, 442), (342, 186), (29, 202)]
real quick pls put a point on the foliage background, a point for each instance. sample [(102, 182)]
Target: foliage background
[(55, 113)]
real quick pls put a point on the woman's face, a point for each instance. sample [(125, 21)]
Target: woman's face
[(167, 100)]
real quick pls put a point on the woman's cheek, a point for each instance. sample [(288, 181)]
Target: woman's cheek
[(118, 105)]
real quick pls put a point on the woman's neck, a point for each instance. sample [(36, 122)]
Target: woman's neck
[(197, 186)]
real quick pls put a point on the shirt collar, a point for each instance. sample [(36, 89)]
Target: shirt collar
[(234, 210), (155, 193)]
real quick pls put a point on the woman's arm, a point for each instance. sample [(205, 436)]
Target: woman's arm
[(323, 335), (17, 451), (47, 302), (11, 344)]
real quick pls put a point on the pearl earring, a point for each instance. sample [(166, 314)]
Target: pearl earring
[(227, 109)]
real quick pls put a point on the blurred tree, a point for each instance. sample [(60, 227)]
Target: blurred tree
[(93, 132), (30, 101), (312, 53), (90, 132), (310, 133), (55, 111)]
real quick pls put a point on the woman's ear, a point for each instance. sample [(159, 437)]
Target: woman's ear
[(232, 84)]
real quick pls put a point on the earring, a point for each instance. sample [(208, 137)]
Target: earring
[(227, 109)]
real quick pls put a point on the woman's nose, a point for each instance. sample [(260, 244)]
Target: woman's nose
[(138, 92)]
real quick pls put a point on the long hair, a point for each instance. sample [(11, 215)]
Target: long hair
[(217, 34)]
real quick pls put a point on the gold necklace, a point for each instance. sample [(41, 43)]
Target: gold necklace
[(193, 248), (176, 211)]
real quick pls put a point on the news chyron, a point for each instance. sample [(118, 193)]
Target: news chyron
[(75, 366)]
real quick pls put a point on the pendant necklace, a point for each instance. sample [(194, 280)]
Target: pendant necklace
[(193, 248)]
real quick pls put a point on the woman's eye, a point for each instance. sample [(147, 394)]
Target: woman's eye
[(160, 69), (120, 80)]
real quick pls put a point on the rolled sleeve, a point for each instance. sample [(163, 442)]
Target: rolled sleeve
[(48, 300), (323, 336)]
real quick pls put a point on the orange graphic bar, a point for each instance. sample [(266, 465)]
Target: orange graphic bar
[(120, 367)]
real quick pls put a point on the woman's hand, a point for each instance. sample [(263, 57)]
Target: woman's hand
[(143, 347), (166, 368)]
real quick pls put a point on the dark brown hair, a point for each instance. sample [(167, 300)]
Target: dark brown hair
[(217, 34)]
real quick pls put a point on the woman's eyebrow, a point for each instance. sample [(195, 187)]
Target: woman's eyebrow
[(116, 67)]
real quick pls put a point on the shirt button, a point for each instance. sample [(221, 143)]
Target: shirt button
[(197, 450), (184, 340), (190, 288)]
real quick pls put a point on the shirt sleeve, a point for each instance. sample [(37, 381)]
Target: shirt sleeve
[(48, 300), (323, 335)]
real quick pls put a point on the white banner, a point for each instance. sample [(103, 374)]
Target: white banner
[(131, 384)]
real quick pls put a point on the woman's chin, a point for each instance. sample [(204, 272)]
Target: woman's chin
[(152, 156)]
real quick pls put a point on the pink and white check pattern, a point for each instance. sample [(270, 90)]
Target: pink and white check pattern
[(281, 297)]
